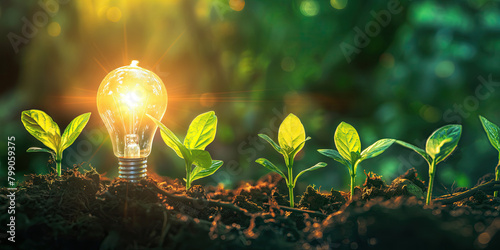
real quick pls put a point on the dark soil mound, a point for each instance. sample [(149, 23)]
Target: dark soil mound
[(88, 211)]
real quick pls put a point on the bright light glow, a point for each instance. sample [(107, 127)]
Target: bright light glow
[(131, 99), (124, 98)]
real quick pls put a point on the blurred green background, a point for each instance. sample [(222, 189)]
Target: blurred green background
[(397, 69)]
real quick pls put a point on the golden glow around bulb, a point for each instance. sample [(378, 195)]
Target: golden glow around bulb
[(124, 98)]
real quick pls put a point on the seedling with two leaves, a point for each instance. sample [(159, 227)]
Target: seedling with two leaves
[(493, 133), (43, 128), (291, 139), (438, 147), (201, 133), (349, 153)]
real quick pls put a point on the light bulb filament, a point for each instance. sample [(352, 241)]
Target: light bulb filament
[(132, 149)]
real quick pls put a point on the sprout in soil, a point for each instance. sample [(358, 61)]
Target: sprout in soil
[(43, 128), (200, 133), (349, 153), (493, 133), (291, 138), (439, 146)]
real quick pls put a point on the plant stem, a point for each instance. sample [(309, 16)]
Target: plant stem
[(353, 180), (188, 175), (58, 167), (290, 182), (497, 178), (431, 184)]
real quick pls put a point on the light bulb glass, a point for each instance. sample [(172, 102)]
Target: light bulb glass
[(124, 98)]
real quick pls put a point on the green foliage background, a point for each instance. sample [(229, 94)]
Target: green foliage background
[(426, 68)]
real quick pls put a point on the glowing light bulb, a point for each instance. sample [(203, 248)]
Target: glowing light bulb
[(124, 98)]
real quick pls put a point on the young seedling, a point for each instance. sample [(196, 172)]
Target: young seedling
[(349, 153), (438, 147), (291, 138), (493, 133), (200, 133), (43, 128)]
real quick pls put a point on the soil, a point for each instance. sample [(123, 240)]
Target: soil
[(84, 210)]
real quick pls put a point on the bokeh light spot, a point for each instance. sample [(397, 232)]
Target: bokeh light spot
[(430, 114), (309, 8), (54, 29), (484, 238), (387, 60), (288, 64), (237, 5), (445, 69), (114, 14), (338, 4)]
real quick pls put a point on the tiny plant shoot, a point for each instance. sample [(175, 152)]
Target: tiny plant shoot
[(349, 153), (200, 133), (43, 128), (291, 138), (439, 146), (493, 133)]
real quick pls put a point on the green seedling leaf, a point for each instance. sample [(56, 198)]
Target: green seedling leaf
[(297, 149), (442, 142), (291, 135), (318, 165), (42, 127), (376, 148), (347, 141), (199, 173), (171, 140), (201, 158), (492, 131), (171, 143), (269, 165), (73, 130), (44, 150), (416, 149), (334, 154), (270, 141), (202, 131)]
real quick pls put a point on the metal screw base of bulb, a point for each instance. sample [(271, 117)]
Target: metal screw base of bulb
[(132, 169)]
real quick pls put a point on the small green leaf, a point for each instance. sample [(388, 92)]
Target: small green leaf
[(318, 165), (376, 148), (73, 130), (201, 158), (269, 165), (334, 154), (347, 141), (42, 127), (43, 150), (492, 131), (443, 141), (416, 149), (297, 149), (291, 135), (171, 143), (171, 140), (199, 173), (201, 131), (270, 141)]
